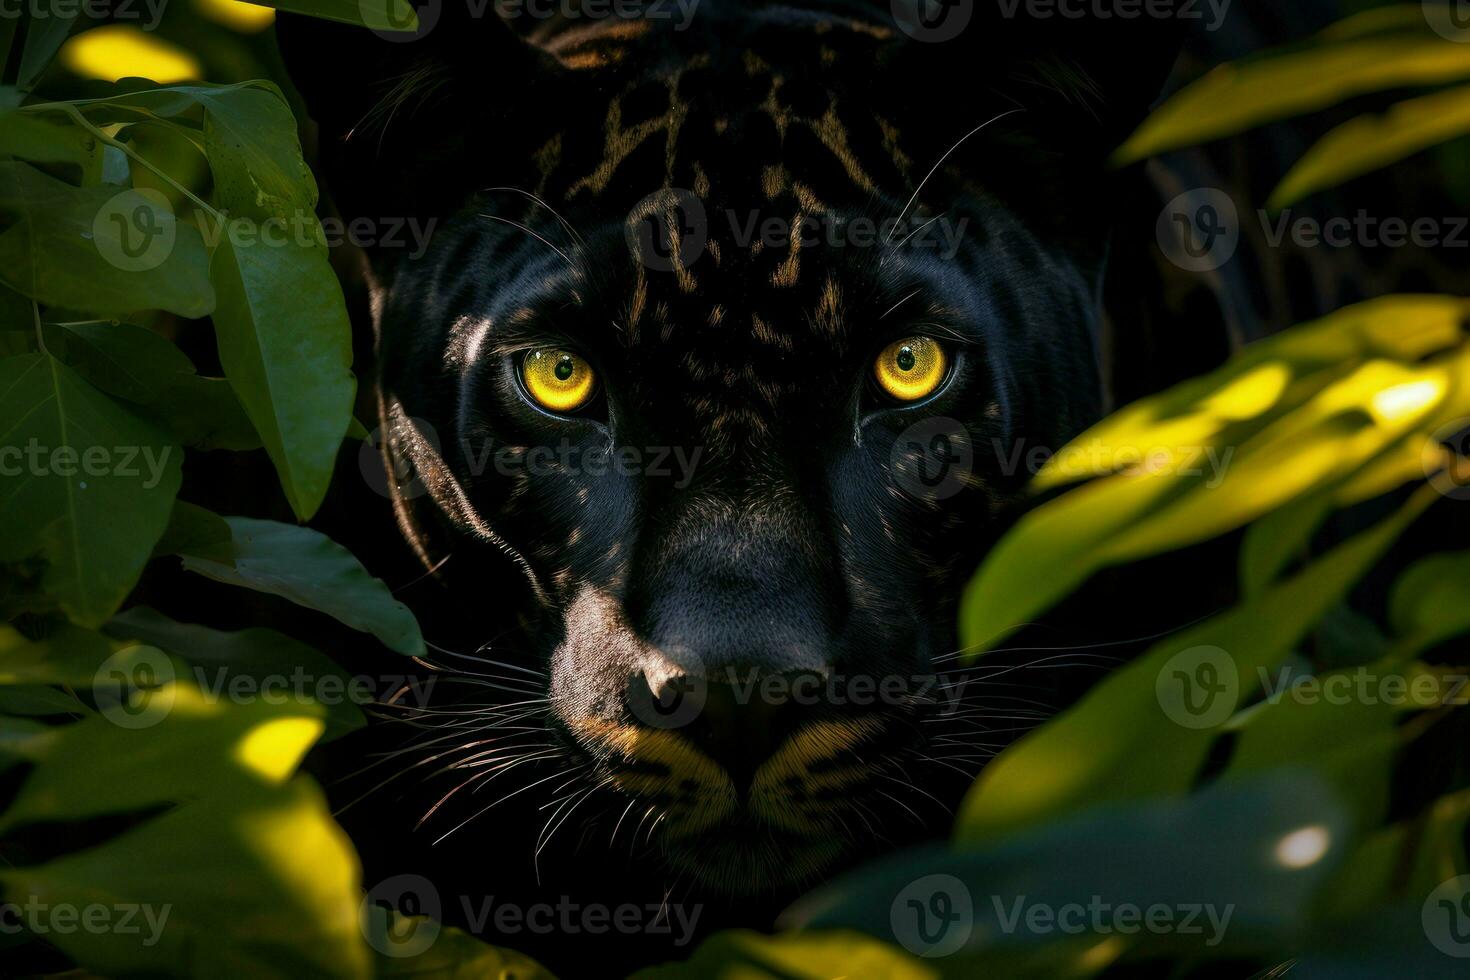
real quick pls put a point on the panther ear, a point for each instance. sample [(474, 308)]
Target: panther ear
[(1089, 80), (402, 116)]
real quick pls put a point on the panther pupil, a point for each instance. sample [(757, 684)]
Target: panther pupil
[(564, 368), (905, 359)]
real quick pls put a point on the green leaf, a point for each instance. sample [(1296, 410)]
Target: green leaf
[(190, 749), (1229, 847), (42, 140), (96, 490), (1278, 538), (1370, 143), (453, 955), (257, 883), (311, 570), (68, 656), (100, 249), (285, 343), (804, 955), (1241, 95), (136, 364), (381, 15), (1124, 740), (1428, 605), (1281, 423), (1347, 740), (194, 530), (44, 37), (257, 662)]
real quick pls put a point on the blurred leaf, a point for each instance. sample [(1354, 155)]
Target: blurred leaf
[(115, 51), (39, 701), (1253, 852), (96, 492), (277, 667), (805, 955), (1429, 603), (1407, 859), (1278, 538), (454, 954), (99, 249), (1370, 143), (193, 749), (138, 365), (1347, 741), (311, 570), (258, 883), (1122, 740), (1241, 95)]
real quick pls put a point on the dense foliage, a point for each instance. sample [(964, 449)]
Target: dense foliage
[(1218, 770)]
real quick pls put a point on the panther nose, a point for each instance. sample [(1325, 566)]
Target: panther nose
[(741, 722)]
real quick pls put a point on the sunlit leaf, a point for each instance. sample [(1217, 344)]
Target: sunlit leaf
[(259, 883), (192, 747), (807, 955), (311, 570), (115, 51), (1120, 742), (1303, 414), (97, 489), (1370, 143), (1241, 95), (258, 662)]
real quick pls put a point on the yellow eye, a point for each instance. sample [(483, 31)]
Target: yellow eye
[(911, 368), (558, 379)]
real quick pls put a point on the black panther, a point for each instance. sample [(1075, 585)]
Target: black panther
[(723, 341)]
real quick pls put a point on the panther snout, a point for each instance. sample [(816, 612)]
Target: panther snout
[(739, 719)]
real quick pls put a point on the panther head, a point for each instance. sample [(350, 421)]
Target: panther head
[(726, 336)]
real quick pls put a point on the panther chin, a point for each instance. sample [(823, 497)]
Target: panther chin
[(781, 824), (745, 856)]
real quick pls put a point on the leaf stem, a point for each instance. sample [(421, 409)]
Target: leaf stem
[(81, 120)]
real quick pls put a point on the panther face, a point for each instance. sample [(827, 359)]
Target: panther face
[(725, 338)]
